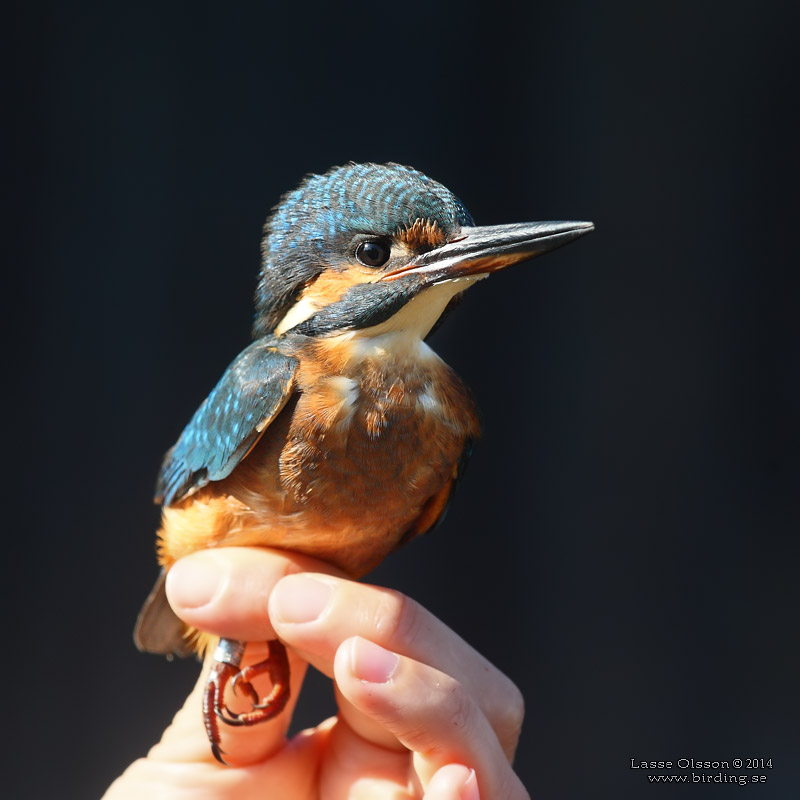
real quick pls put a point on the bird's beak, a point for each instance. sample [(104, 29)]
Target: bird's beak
[(479, 251)]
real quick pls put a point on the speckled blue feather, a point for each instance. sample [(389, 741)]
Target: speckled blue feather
[(313, 224), (252, 390)]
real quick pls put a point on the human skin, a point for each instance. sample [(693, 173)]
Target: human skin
[(421, 713)]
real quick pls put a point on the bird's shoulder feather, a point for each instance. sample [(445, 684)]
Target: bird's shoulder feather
[(250, 394)]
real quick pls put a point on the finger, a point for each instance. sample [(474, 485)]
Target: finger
[(430, 712), (314, 614), (453, 782), (225, 590)]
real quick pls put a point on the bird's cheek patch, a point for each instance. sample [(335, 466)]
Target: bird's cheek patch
[(327, 288)]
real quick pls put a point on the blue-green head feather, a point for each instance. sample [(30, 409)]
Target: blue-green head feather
[(312, 227)]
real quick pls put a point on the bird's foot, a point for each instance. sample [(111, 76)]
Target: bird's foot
[(277, 667), (227, 660)]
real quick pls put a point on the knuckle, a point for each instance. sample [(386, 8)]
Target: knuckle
[(459, 707), (507, 715), (449, 717), (398, 619)]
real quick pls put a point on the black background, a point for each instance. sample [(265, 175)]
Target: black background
[(625, 543)]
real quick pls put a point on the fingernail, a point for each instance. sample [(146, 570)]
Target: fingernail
[(469, 789), (298, 598), (370, 662), (195, 581)]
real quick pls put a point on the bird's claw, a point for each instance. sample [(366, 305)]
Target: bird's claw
[(218, 752), (227, 671), (239, 683)]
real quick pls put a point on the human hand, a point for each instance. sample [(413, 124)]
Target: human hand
[(421, 713)]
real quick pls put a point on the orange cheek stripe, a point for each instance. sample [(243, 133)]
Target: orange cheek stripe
[(332, 284)]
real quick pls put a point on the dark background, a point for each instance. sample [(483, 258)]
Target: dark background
[(625, 545)]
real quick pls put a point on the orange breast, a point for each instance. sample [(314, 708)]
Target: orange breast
[(348, 466)]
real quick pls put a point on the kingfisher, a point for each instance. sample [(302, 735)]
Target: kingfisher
[(338, 432)]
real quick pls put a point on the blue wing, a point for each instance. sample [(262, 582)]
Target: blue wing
[(250, 394)]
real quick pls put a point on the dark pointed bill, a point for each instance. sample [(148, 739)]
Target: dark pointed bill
[(490, 248)]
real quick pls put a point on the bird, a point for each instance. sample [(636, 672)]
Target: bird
[(337, 432)]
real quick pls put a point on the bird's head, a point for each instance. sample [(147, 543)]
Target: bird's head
[(373, 247)]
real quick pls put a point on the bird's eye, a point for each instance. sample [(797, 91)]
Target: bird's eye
[(372, 254)]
